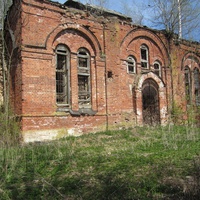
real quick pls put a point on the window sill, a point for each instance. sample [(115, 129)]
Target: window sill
[(62, 109), (131, 73), (83, 111)]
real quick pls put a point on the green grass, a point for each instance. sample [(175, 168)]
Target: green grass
[(142, 163)]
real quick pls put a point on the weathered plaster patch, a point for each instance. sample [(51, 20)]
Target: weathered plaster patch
[(39, 135), (46, 135), (163, 111), (139, 113), (74, 132)]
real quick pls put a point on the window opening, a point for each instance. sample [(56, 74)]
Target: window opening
[(109, 74), (83, 60), (84, 88), (157, 68), (131, 65), (197, 86), (187, 85), (62, 75), (144, 57)]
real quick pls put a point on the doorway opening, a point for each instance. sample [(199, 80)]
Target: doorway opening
[(150, 103)]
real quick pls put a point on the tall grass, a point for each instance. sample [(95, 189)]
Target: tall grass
[(9, 129), (141, 163)]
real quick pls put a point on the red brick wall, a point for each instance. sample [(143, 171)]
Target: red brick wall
[(1, 69), (117, 99)]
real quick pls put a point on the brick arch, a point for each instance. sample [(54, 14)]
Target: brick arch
[(162, 97), (152, 76), (188, 56), (85, 32), (148, 35), (190, 62)]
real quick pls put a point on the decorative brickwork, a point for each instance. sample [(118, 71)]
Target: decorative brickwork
[(81, 69)]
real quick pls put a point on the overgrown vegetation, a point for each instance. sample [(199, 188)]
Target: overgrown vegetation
[(9, 129), (141, 163), (190, 117)]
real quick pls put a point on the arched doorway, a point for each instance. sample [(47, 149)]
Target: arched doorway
[(150, 103)]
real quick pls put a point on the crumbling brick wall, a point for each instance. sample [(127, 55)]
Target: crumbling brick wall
[(116, 94)]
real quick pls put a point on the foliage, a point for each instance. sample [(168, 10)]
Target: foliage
[(176, 16), (190, 117), (177, 114), (9, 129), (142, 163)]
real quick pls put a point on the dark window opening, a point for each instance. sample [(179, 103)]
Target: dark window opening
[(187, 85), (143, 53), (62, 76), (83, 61), (110, 74), (197, 86), (144, 65), (84, 87), (157, 69), (84, 90), (131, 65), (144, 57)]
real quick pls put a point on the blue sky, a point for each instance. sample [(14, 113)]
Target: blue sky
[(113, 5), (135, 4), (135, 8)]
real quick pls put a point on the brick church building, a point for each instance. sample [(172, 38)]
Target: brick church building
[(80, 68)]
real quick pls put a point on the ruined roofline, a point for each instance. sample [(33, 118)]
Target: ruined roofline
[(186, 41), (93, 9), (178, 40), (100, 11), (174, 36)]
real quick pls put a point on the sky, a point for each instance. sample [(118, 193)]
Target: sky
[(135, 9), (112, 5), (127, 7), (141, 12)]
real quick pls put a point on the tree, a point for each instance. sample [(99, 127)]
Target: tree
[(176, 16), (9, 129), (5, 58), (133, 10), (101, 3)]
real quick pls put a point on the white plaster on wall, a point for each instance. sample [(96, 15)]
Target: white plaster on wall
[(130, 87), (150, 75), (163, 111), (37, 135), (74, 132), (47, 135), (138, 112)]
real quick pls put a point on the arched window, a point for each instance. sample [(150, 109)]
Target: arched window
[(157, 68), (197, 86), (62, 75), (144, 57), (187, 84), (84, 85), (131, 65)]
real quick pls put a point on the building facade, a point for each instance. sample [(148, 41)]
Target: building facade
[(1, 69), (78, 69)]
